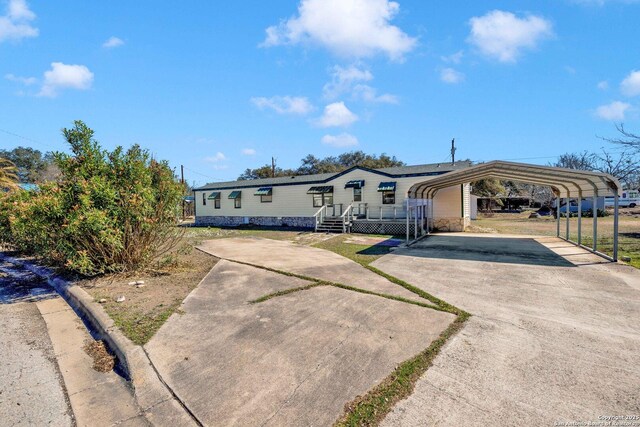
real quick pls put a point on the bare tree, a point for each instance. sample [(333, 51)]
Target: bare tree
[(626, 138)]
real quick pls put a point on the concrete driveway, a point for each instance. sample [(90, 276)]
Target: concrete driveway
[(554, 337), (294, 359)]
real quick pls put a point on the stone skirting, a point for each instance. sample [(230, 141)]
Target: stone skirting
[(450, 224), (262, 221)]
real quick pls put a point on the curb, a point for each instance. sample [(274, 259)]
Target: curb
[(158, 403)]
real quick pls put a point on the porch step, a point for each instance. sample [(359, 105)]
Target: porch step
[(330, 225)]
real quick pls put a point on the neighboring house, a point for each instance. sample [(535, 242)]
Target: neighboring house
[(375, 200), (24, 186)]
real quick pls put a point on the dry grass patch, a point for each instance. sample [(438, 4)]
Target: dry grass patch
[(103, 361)]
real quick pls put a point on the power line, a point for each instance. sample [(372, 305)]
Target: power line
[(27, 139), (203, 175)]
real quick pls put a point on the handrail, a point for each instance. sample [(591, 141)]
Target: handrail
[(319, 216), (345, 217)]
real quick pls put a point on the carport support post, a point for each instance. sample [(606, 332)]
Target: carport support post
[(615, 226), (558, 216), (408, 214), (594, 210), (415, 218), (579, 217), (567, 210)]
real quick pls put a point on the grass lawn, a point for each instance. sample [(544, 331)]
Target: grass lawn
[(629, 230), (362, 254)]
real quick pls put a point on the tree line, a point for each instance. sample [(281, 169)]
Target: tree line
[(311, 165)]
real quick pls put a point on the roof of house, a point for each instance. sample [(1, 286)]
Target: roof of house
[(394, 172)]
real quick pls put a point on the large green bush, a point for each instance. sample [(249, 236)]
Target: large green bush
[(108, 211)]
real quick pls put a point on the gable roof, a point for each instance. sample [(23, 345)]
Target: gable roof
[(394, 172)]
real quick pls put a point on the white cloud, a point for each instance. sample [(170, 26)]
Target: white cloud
[(113, 42), (15, 25), (454, 58), (248, 151), (341, 140), (27, 81), (218, 157), (503, 36), (630, 86), (351, 80), (603, 85), (370, 94), (336, 115), (297, 105), (451, 76), (349, 28), (63, 76), (343, 79), (614, 111)]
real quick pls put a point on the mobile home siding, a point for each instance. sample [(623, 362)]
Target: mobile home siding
[(293, 200)]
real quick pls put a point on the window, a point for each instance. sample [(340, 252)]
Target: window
[(204, 199), (266, 198), (216, 203), (320, 200), (237, 203), (388, 197), (357, 194)]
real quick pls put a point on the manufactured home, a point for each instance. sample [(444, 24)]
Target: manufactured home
[(358, 199)]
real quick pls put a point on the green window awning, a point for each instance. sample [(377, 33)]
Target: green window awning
[(357, 183), (387, 186), (235, 194), (321, 190), (263, 191), (214, 196)]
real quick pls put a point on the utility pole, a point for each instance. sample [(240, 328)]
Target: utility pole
[(273, 167), (182, 181), (453, 151)]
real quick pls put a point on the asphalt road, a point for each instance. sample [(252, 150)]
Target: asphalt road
[(31, 387)]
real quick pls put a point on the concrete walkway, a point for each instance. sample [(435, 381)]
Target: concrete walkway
[(305, 261), (31, 388), (555, 334), (294, 359)]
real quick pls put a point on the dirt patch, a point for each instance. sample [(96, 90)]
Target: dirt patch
[(148, 304), (478, 229), (103, 361)]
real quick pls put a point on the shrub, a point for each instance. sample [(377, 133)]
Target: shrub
[(108, 211)]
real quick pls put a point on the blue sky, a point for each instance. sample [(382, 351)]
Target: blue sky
[(222, 86)]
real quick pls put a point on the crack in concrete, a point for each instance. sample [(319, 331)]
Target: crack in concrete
[(173, 393), (306, 378)]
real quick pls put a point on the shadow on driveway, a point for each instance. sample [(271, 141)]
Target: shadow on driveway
[(511, 250)]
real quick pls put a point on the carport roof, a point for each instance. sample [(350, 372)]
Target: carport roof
[(564, 182)]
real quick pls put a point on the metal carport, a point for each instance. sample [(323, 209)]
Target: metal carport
[(565, 183)]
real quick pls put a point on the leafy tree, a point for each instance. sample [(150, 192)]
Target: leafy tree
[(311, 164), (8, 174), (265, 172), (31, 163), (489, 187), (107, 212)]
